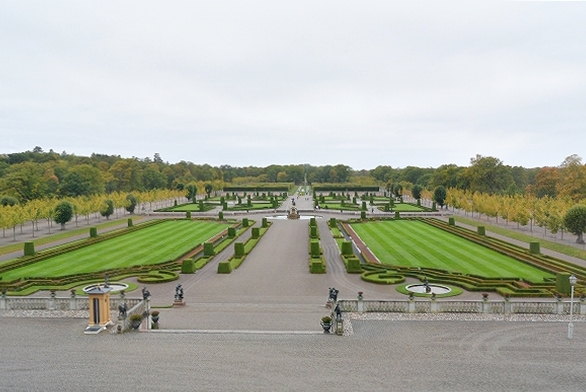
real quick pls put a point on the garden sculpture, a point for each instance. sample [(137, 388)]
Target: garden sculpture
[(145, 293), (333, 294), (179, 292), (122, 310)]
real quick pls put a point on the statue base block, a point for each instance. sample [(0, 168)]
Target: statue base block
[(178, 303)]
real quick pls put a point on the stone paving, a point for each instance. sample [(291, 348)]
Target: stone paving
[(54, 355)]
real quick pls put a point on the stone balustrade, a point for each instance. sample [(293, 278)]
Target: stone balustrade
[(463, 306), (58, 303)]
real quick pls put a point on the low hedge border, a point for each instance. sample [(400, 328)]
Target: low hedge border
[(317, 262), (161, 276), (226, 267)]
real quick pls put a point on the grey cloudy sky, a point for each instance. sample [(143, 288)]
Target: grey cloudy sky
[(363, 83)]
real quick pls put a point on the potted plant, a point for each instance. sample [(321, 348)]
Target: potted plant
[(155, 316), (135, 320), (326, 323), (485, 296)]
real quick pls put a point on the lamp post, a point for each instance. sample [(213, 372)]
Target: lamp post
[(573, 281)]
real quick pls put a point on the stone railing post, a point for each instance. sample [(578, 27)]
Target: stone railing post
[(360, 302), (485, 306), (581, 310), (51, 301), (433, 304), (73, 301), (411, 304), (559, 307), (3, 301), (507, 306)]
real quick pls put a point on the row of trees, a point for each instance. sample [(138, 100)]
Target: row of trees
[(62, 211), (551, 213)]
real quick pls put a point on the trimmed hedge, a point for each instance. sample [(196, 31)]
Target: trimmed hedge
[(208, 249), (158, 277), (224, 267), (239, 249), (188, 266), (29, 248)]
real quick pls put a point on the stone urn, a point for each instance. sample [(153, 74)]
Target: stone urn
[(326, 323)]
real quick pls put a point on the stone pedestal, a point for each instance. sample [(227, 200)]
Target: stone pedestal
[(178, 303)]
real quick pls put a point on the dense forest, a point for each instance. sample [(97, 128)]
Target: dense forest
[(37, 174)]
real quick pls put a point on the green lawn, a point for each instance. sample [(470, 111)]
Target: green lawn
[(163, 242), (403, 207), (193, 207), (417, 244)]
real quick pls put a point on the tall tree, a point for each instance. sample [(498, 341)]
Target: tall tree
[(439, 195), (63, 213), (573, 178), (575, 221), (488, 175), (416, 191)]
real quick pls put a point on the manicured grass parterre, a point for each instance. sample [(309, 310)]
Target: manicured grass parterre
[(417, 244), (406, 207), (154, 244)]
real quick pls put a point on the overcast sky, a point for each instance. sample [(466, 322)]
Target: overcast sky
[(254, 83)]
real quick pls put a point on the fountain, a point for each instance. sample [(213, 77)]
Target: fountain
[(114, 287), (293, 214), (428, 288)]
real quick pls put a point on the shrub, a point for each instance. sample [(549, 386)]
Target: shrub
[(129, 223), (347, 248), (188, 214), (534, 247), (313, 231), (29, 248), (135, 317), (245, 222), (224, 267), (231, 232), (239, 249), (188, 266), (220, 215), (255, 232), (208, 249), (93, 232), (317, 266), (315, 251), (353, 265)]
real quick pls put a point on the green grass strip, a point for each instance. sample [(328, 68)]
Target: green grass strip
[(62, 235), (551, 245)]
